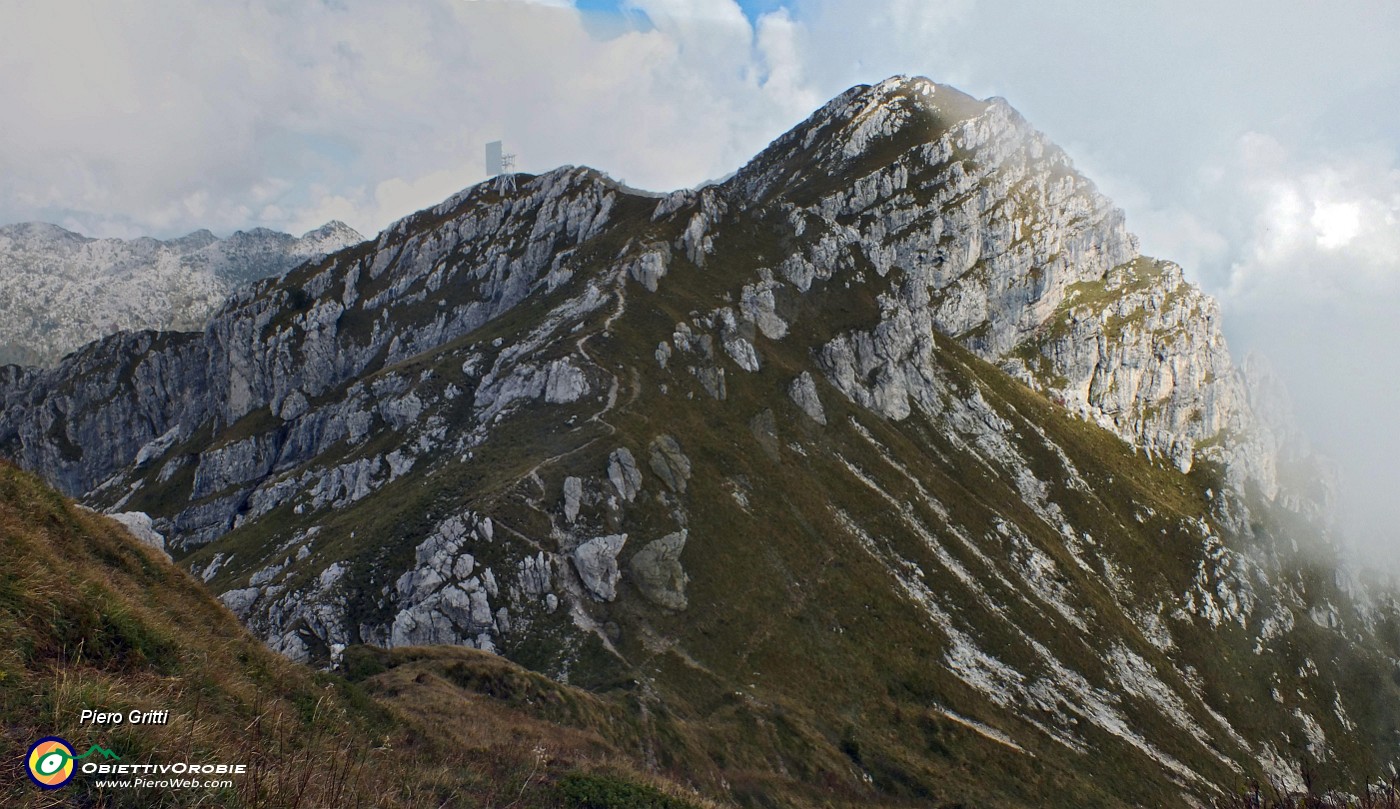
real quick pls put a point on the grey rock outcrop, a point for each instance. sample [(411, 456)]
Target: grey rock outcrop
[(803, 392), (573, 496), (656, 570), (596, 563), (650, 267), (1013, 254), (279, 344), (139, 524), (669, 463), (624, 474), (1141, 353)]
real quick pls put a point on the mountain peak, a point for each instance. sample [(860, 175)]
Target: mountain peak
[(855, 133), (915, 90), (195, 240), (334, 229), (41, 232)]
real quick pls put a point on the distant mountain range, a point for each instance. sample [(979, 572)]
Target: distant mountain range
[(886, 472), (59, 289)]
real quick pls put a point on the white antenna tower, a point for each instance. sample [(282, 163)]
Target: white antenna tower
[(501, 166), (507, 180)]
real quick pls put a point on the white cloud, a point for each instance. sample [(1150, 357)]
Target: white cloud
[(1337, 223), (153, 118), (1310, 278), (1323, 222)]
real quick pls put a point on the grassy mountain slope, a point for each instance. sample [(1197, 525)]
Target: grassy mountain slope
[(92, 618)]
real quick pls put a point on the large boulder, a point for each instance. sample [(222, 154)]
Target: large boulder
[(657, 572), (596, 562)]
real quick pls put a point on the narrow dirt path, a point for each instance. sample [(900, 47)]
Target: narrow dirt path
[(620, 290)]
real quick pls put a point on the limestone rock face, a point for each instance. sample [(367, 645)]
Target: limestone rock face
[(650, 267), (295, 376), (596, 563), (1016, 256), (1141, 353), (279, 343), (969, 224), (950, 215), (564, 383), (97, 410), (657, 572)]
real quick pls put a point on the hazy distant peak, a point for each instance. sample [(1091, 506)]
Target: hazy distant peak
[(41, 231), (60, 289), (196, 240), (333, 232), (333, 227)]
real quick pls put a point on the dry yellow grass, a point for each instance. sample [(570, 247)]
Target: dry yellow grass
[(90, 618)]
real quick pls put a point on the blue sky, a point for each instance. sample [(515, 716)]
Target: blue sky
[(752, 8)]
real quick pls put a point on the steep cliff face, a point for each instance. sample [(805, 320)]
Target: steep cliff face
[(100, 409), (59, 290), (994, 239), (892, 433)]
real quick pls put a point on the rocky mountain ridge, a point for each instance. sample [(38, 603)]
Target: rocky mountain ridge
[(60, 288), (894, 421)]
